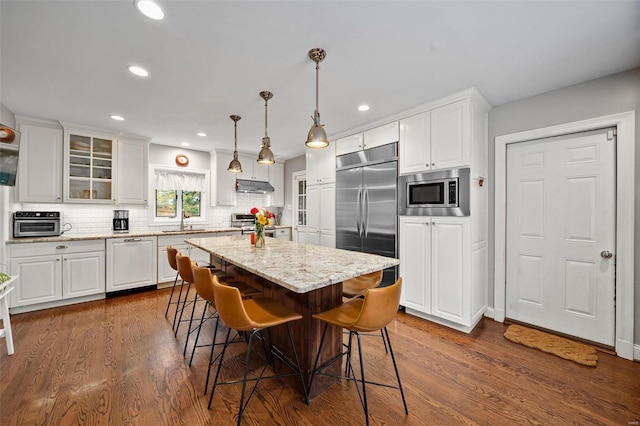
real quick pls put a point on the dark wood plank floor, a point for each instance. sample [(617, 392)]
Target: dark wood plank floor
[(116, 362)]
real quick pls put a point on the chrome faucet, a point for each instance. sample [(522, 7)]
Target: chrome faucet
[(185, 215)]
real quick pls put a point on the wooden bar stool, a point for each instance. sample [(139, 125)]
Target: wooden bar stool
[(373, 313), (252, 316)]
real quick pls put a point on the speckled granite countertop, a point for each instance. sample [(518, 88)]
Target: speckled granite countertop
[(296, 267), (81, 237)]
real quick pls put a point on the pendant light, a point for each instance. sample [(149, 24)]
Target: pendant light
[(317, 137), (266, 156), (234, 165)]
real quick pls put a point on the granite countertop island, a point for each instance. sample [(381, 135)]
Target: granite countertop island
[(297, 267)]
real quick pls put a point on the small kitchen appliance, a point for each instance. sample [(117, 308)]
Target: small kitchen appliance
[(36, 224), (441, 193), (120, 221)]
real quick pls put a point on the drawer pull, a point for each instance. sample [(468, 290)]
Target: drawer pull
[(131, 240), (62, 247)]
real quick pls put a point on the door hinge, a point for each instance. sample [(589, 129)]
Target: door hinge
[(612, 134)]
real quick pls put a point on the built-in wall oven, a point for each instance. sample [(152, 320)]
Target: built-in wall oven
[(441, 193), (36, 224)]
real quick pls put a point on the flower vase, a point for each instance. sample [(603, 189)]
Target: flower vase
[(260, 238)]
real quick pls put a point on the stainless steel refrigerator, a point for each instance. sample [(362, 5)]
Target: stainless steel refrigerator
[(366, 203)]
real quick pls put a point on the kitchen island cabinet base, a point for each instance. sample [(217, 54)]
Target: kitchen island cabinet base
[(306, 332)]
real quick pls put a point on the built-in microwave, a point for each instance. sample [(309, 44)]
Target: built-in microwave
[(441, 193)]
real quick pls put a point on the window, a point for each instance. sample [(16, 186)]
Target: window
[(302, 202), (177, 194), (167, 204)]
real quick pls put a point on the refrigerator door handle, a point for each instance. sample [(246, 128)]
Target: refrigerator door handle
[(358, 211), (365, 211)]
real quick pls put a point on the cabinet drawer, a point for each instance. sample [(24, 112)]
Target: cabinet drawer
[(59, 247)]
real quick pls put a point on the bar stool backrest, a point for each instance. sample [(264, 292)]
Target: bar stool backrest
[(379, 307), (184, 267), (171, 256), (230, 307), (203, 280)]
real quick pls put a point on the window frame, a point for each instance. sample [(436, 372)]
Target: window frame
[(175, 221)]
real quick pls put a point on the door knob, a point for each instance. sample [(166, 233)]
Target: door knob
[(606, 254)]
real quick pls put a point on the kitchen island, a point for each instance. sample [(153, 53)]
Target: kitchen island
[(306, 278)]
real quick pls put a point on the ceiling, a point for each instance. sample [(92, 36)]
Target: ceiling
[(67, 61)]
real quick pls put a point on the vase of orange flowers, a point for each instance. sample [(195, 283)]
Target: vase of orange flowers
[(263, 218)]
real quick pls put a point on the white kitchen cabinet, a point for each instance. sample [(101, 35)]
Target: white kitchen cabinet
[(440, 280), (89, 165), (251, 169), (40, 162), (321, 165), (450, 134), (57, 272), (321, 215), (39, 281), (381, 135), (276, 179), (225, 186), (415, 143), (283, 234), (132, 178), (368, 139), (83, 274), (450, 138), (131, 263), (349, 144)]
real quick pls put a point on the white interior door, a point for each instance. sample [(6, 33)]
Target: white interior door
[(560, 231)]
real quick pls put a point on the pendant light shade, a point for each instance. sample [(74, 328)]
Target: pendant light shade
[(317, 137), (266, 156), (234, 165)]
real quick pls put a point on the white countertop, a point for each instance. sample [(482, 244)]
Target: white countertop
[(296, 267)]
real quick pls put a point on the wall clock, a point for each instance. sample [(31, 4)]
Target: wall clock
[(182, 160)]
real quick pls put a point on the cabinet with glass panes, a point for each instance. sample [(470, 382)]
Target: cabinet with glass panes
[(89, 167)]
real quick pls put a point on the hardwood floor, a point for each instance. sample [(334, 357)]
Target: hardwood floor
[(117, 362)]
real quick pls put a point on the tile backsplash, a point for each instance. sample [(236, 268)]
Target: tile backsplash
[(91, 219)]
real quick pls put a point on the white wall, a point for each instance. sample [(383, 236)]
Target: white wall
[(604, 96)]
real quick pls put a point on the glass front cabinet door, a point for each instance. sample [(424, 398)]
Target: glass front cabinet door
[(89, 167)]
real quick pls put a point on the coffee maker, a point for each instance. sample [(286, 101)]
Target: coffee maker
[(120, 221)]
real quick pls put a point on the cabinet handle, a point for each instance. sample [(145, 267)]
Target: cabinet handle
[(132, 240), (57, 260), (427, 223), (62, 247), (433, 164)]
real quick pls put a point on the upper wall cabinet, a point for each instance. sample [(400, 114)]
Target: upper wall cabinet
[(225, 185), (444, 136), (89, 165), (321, 165), (252, 170), (132, 179), (372, 138), (276, 179), (40, 162)]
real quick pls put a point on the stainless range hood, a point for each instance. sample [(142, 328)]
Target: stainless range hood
[(253, 186)]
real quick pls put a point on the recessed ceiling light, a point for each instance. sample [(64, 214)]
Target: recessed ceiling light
[(201, 134), (185, 144), (150, 9), (139, 71), (117, 117), (363, 108)]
